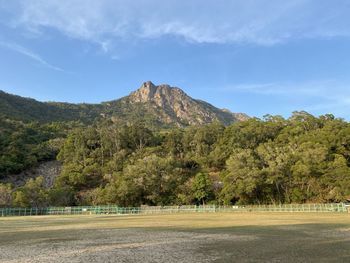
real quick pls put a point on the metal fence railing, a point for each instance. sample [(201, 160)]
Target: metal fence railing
[(112, 209)]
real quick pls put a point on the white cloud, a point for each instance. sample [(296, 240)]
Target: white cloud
[(22, 50), (261, 22)]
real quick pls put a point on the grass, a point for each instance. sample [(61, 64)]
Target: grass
[(195, 237)]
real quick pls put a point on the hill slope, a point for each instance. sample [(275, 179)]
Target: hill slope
[(160, 105), (27, 109)]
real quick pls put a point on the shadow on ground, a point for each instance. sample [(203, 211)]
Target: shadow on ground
[(281, 243)]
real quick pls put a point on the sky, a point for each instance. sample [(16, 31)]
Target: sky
[(253, 56)]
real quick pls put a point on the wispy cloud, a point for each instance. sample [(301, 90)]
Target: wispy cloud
[(26, 52), (262, 22), (316, 96), (308, 88)]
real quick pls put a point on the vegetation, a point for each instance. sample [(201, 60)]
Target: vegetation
[(23, 145), (157, 106), (29, 110), (273, 160)]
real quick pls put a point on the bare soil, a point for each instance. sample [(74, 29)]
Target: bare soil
[(201, 237)]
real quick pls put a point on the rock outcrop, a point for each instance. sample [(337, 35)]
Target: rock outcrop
[(175, 106), (48, 170)]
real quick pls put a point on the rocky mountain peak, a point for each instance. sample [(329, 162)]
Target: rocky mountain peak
[(160, 95), (173, 105), (145, 92)]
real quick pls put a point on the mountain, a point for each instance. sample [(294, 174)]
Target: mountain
[(26, 109), (157, 105), (173, 105)]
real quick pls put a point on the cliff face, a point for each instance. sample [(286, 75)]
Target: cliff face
[(175, 106)]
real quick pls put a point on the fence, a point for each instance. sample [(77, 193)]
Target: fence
[(111, 209)]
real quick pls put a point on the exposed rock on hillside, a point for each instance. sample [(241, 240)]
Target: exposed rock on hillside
[(173, 105), (49, 170)]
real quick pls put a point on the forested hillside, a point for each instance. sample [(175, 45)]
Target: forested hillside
[(23, 145), (29, 128), (28, 110), (270, 160)]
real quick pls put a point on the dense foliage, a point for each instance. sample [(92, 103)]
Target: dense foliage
[(273, 160), (23, 145)]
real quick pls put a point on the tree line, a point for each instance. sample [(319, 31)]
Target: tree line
[(259, 161)]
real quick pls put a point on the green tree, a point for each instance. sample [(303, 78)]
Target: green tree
[(6, 195), (201, 187), (243, 180), (61, 196), (336, 180), (32, 194)]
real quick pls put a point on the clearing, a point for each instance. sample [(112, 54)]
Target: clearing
[(191, 237)]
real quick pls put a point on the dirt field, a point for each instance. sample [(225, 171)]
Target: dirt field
[(201, 237)]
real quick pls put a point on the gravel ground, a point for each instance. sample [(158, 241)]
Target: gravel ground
[(266, 243)]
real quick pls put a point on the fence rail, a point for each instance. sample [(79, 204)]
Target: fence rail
[(111, 209)]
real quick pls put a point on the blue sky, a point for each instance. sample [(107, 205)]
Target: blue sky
[(257, 57)]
